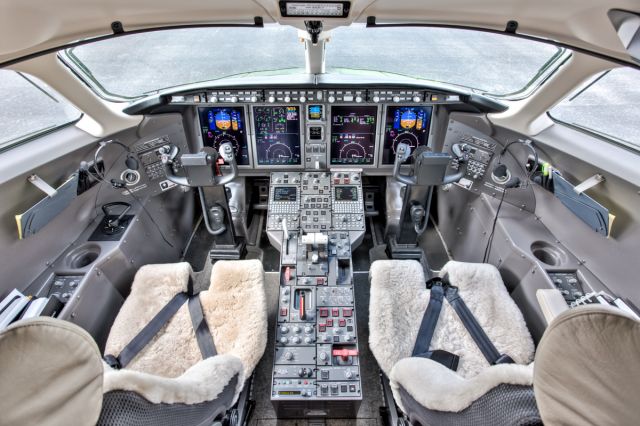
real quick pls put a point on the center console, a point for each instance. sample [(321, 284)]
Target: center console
[(316, 219)]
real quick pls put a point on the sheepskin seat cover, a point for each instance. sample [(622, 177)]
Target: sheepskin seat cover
[(399, 299), (234, 307)]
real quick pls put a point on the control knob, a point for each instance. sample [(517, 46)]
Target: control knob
[(254, 99), (358, 98), (284, 329), (213, 99), (234, 99), (295, 339), (272, 99), (308, 340), (303, 99), (323, 356), (348, 374), (308, 329), (396, 99), (416, 98), (296, 329), (376, 99), (332, 99), (288, 356), (287, 98), (284, 340)]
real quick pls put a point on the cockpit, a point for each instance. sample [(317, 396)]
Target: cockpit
[(319, 213)]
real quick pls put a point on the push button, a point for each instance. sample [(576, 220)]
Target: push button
[(324, 312), (335, 312), (347, 312)]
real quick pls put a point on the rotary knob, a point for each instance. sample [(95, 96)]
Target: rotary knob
[(234, 99), (376, 99), (254, 99), (213, 99), (272, 99), (284, 340), (323, 356), (308, 340), (348, 374), (416, 99), (308, 329), (288, 356), (295, 339), (332, 99), (296, 329), (303, 99), (287, 98), (284, 329), (396, 99), (358, 98)]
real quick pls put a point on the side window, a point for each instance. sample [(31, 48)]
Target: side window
[(29, 108), (608, 106)]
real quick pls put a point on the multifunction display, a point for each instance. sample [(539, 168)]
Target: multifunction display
[(346, 193), (225, 125), (315, 112), (277, 135), (405, 124), (284, 193), (353, 134)]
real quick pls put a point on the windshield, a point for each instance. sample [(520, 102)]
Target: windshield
[(491, 63), (134, 65)]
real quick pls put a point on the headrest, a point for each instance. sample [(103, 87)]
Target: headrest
[(586, 368), (50, 374)]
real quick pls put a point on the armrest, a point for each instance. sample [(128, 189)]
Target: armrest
[(551, 303)]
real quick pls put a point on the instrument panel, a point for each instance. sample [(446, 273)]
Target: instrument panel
[(316, 129)]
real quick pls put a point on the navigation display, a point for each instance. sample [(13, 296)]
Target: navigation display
[(225, 124), (284, 193), (353, 134), (277, 135), (346, 193), (408, 125)]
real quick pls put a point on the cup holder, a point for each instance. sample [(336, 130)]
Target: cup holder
[(82, 256), (548, 254)]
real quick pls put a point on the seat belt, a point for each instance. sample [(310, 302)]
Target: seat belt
[(441, 288), (428, 326), (483, 342), (201, 328), (142, 339)]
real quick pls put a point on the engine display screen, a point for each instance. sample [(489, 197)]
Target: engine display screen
[(315, 112), (277, 135), (353, 134), (346, 193), (408, 125), (225, 124), (284, 193)]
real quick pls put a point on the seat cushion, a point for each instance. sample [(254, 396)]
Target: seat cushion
[(234, 308), (51, 374), (399, 299)]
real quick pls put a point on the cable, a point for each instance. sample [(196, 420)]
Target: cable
[(529, 145), (150, 217), (487, 250)]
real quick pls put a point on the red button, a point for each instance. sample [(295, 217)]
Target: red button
[(319, 281), (347, 180), (347, 312), (322, 327), (342, 322), (283, 312), (329, 323), (335, 312), (324, 312)]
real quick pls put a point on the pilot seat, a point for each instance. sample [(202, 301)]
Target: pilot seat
[(187, 369)]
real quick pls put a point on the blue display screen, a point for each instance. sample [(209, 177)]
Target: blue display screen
[(405, 124), (225, 125)]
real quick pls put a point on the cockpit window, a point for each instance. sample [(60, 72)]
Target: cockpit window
[(29, 108), (491, 63), (608, 105), (139, 64)]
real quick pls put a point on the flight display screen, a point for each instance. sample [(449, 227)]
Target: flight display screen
[(225, 124), (346, 193), (315, 112), (284, 193), (277, 135), (408, 125), (353, 134)]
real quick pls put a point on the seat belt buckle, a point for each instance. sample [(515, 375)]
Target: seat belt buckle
[(437, 281), (113, 362)]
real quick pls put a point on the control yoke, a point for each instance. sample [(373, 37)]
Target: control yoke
[(429, 168), (198, 167)]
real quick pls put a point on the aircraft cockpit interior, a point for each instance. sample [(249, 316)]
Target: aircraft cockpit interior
[(364, 212)]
